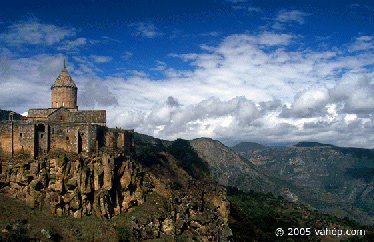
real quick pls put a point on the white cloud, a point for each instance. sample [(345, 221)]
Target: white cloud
[(95, 93), (363, 43), (160, 66), (101, 59), (309, 103), (355, 90), (35, 33), (288, 17), (28, 81), (242, 89), (259, 87), (147, 30), (127, 55), (72, 45)]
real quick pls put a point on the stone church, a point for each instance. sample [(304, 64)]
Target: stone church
[(62, 126)]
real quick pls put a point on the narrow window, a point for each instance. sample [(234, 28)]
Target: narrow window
[(41, 136), (67, 138), (56, 104), (63, 104), (53, 130), (20, 135)]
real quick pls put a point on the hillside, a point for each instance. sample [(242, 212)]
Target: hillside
[(245, 146), (173, 199), (261, 172), (255, 216), (155, 195), (4, 115), (343, 172)]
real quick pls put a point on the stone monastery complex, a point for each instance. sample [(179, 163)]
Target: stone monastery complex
[(62, 126)]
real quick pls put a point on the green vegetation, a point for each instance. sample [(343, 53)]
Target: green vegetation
[(245, 146), (4, 115), (188, 158), (256, 216), (123, 233), (143, 139)]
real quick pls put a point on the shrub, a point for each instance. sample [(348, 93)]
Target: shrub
[(123, 234)]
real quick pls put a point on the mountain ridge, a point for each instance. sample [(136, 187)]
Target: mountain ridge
[(270, 170), (244, 146)]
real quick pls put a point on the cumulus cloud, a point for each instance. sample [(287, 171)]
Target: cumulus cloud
[(96, 94), (308, 103), (250, 87), (256, 87), (27, 84), (355, 90)]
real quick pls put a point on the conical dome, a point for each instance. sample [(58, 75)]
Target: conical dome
[(64, 91), (64, 80)]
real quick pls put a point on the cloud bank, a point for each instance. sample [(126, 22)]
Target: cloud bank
[(260, 87)]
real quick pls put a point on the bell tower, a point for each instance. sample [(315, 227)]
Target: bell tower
[(64, 91)]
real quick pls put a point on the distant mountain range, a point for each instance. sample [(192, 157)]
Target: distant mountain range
[(332, 179), (345, 173), (245, 146)]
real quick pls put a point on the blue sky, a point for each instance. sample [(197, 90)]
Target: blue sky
[(233, 70)]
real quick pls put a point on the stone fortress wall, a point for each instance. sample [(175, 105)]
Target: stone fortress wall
[(62, 127)]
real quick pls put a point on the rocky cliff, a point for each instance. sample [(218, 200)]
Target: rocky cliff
[(103, 185), (162, 200)]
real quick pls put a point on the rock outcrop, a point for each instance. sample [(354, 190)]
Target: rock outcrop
[(197, 213), (163, 201), (102, 185)]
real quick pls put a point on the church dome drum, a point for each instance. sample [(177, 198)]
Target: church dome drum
[(64, 91)]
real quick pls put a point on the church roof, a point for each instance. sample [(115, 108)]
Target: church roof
[(64, 80)]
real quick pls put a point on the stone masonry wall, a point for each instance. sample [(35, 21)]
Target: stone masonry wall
[(120, 139), (68, 115), (88, 116), (64, 97), (73, 138), (38, 114), (16, 137)]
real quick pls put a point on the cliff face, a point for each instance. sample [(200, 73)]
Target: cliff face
[(103, 185), (162, 200)]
